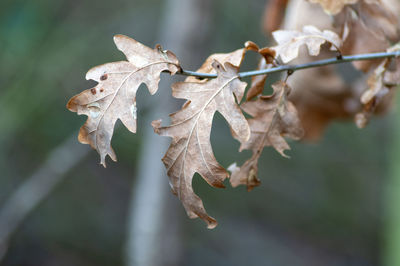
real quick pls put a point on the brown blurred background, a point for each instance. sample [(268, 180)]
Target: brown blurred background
[(328, 205)]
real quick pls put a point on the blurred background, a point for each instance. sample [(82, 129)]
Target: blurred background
[(333, 203)]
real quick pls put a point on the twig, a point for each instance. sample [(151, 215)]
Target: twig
[(324, 62)]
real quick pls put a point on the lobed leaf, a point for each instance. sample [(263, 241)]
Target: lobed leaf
[(235, 58), (114, 97), (258, 82), (369, 26), (380, 82), (290, 41), (274, 117), (190, 151)]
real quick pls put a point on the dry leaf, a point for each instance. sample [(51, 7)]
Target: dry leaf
[(258, 82), (333, 7), (247, 174), (392, 75), (369, 26), (321, 95), (114, 97), (380, 82), (190, 151), (235, 58), (274, 117), (290, 41)]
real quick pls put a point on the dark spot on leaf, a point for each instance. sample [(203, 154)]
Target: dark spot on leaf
[(93, 91), (104, 77)]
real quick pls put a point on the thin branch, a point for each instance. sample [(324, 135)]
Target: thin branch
[(324, 62)]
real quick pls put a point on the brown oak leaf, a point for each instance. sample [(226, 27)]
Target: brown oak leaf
[(325, 94), (274, 117), (258, 82), (333, 7), (290, 41), (114, 97), (190, 151), (369, 26), (380, 82), (235, 58)]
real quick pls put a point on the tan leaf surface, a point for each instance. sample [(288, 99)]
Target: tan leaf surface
[(114, 97), (322, 95), (290, 41), (380, 82), (235, 58), (333, 7), (274, 117), (319, 94), (258, 82), (190, 151), (369, 26)]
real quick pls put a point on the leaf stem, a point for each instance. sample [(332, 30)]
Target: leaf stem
[(324, 62)]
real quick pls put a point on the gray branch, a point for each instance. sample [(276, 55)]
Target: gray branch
[(282, 68)]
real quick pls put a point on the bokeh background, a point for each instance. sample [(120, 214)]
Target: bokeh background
[(333, 203)]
